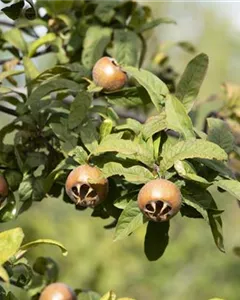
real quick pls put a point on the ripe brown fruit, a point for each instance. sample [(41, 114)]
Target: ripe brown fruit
[(159, 200), (3, 188), (86, 186), (107, 74), (58, 291)]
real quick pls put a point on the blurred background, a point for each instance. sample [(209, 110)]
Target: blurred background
[(192, 267)]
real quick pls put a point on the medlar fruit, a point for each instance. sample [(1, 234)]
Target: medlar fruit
[(86, 186), (3, 188), (159, 200), (107, 74), (58, 291)]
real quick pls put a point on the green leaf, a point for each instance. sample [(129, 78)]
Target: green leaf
[(153, 125), (156, 146), (123, 201), (31, 12), (126, 47), (4, 275), (105, 128), (177, 117), (10, 296), (52, 86), (55, 7), (26, 247), (46, 39), (2, 293), (10, 241), (105, 11), (46, 267), (7, 74), (21, 273), (216, 227), (93, 88), (236, 149), (60, 168), (65, 135), (31, 72), (186, 171), (138, 15), (202, 135), (156, 88), (25, 188), (231, 186), (191, 149), (89, 295), (58, 46), (89, 136), (9, 211), (75, 71), (137, 151), (79, 109), (96, 40), (219, 133), (135, 174), (38, 189), (13, 11), (15, 38), (79, 155), (156, 240), (155, 23), (218, 166), (129, 97), (23, 23), (191, 80), (130, 124), (130, 219), (35, 159), (192, 202)]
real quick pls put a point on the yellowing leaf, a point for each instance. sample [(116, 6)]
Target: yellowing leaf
[(15, 38), (4, 274), (109, 296), (46, 39), (10, 242), (36, 243)]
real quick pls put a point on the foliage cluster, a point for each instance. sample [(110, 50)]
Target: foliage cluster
[(63, 120)]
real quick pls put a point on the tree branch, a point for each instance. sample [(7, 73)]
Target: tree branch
[(8, 111), (7, 24), (4, 23), (45, 51)]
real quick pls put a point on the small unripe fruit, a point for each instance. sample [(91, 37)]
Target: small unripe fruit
[(159, 200), (107, 74), (58, 291), (86, 186), (3, 188)]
